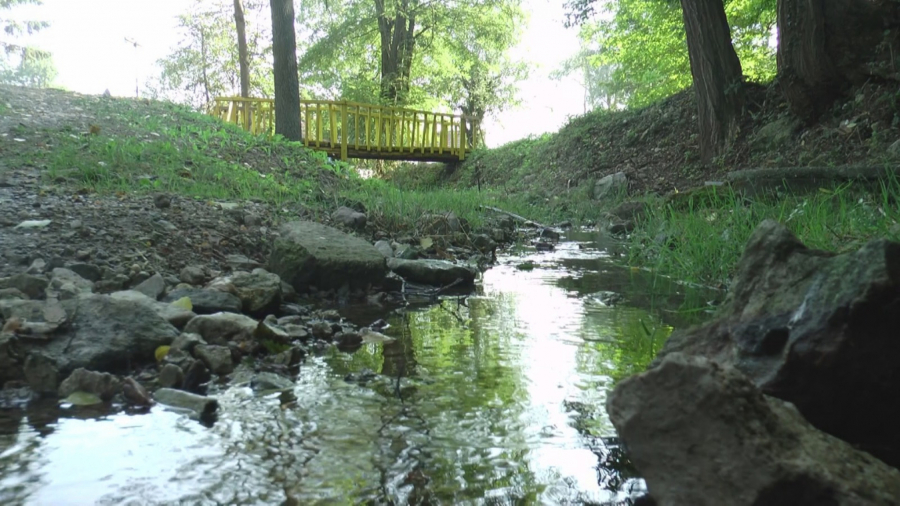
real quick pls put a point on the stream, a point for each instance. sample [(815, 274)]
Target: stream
[(494, 398)]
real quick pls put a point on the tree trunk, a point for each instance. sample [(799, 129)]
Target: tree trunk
[(824, 46), (243, 58), (287, 82), (716, 72), (397, 45)]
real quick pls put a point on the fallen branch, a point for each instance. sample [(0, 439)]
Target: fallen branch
[(514, 216)]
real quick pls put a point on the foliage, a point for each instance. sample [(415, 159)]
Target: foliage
[(207, 64), (459, 57), (20, 64), (643, 41)]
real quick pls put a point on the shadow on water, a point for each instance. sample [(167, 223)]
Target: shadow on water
[(495, 398)]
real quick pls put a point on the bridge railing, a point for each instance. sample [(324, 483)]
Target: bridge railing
[(361, 130)]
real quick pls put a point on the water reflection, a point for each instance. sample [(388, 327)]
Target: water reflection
[(493, 399)]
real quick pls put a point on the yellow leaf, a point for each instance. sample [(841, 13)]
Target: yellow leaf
[(426, 242), (161, 353), (183, 303)]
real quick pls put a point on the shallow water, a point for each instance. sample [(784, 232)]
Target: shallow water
[(496, 398)]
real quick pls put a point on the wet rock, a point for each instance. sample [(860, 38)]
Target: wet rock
[(30, 285), (611, 186), (41, 374), (293, 310), (135, 393), (703, 434), (216, 358), (348, 340), (103, 385), (65, 284), (205, 301), (432, 272), (219, 328), (624, 218), (290, 358), (201, 406), (384, 248), (192, 275), (101, 333), (322, 330), (816, 329), (10, 365), (407, 252), (152, 287), (38, 265), (349, 218), (484, 244), (171, 376), (309, 253), (196, 377), (270, 381)]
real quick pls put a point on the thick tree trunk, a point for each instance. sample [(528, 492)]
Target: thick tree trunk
[(716, 72), (824, 46), (243, 56), (397, 45), (287, 82)]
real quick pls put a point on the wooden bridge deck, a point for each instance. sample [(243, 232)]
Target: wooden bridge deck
[(355, 130)]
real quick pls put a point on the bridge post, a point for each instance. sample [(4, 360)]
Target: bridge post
[(344, 129), (463, 139)]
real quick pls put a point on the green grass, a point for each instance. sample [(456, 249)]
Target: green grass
[(704, 238)]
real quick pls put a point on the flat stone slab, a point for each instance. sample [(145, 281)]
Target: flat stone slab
[(309, 253), (432, 272)]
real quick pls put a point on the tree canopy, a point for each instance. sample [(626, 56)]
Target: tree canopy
[(21, 64)]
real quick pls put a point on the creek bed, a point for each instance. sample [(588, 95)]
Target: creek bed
[(495, 398)]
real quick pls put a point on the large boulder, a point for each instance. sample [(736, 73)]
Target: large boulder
[(816, 329), (432, 272), (309, 253), (700, 433), (100, 333)]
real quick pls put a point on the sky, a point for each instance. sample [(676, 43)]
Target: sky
[(89, 46)]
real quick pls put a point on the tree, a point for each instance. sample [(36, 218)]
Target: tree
[(287, 83), (716, 72), (827, 45), (243, 55), (21, 64)]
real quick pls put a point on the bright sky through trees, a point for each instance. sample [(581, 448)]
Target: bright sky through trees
[(88, 42)]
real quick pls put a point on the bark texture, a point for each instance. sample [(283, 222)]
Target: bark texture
[(243, 58), (398, 42), (716, 73), (827, 46), (287, 82)]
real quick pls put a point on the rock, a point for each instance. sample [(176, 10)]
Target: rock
[(259, 291), (41, 374), (10, 364), (219, 328), (89, 272), (171, 376), (348, 340), (702, 434), (322, 330), (205, 301), (201, 406), (432, 272), (102, 334), (308, 253), (152, 287), (32, 286), (12, 293), (815, 329), (135, 393), (241, 263), (173, 314), (270, 381), (611, 186), (192, 275), (103, 385), (384, 248), (484, 244), (187, 341), (216, 358), (37, 267), (622, 218), (349, 218), (196, 377), (162, 201), (65, 284), (407, 252)]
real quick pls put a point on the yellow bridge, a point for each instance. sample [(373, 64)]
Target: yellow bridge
[(355, 130)]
